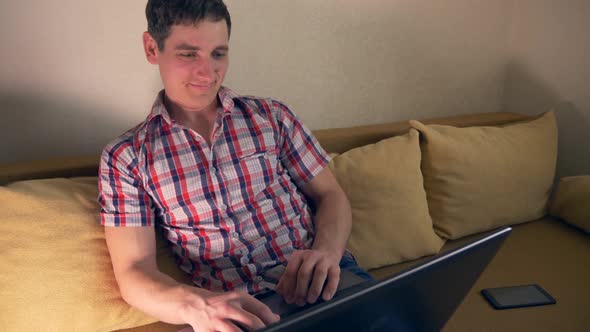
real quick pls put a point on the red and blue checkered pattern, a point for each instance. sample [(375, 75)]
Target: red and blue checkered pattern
[(232, 210)]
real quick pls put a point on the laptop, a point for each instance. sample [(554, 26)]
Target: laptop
[(421, 298)]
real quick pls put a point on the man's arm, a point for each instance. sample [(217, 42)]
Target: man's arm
[(333, 219), (333, 222), (124, 202), (142, 285)]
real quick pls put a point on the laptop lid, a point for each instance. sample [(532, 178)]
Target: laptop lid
[(421, 298)]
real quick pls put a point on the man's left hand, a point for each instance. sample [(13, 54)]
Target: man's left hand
[(306, 273)]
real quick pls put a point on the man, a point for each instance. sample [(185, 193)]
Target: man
[(230, 181)]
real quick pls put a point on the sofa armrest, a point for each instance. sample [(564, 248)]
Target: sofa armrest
[(571, 201)]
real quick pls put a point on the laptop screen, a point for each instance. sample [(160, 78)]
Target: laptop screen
[(421, 298)]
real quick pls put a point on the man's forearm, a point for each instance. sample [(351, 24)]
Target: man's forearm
[(333, 222), (157, 294)]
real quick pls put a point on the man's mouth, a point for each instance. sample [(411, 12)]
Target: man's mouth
[(202, 86)]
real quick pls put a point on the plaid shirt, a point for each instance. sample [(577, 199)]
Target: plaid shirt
[(232, 211)]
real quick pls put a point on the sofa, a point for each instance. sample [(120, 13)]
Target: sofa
[(55, 273)]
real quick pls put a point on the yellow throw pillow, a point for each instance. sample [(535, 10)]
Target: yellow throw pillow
[(480, 178), (55, 271), (333, 155), (571, 201), (390, 220)]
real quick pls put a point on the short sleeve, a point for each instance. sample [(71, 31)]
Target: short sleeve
[(122, 197), (300, 152)]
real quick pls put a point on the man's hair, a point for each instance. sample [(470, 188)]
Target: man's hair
[(163, 14)]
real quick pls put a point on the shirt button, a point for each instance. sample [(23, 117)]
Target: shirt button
[(235, 234), (244, 260), (222, 206), (213, 169), (258, 278)]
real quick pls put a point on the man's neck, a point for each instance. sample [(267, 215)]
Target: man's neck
[(200, 121), (191, 117)]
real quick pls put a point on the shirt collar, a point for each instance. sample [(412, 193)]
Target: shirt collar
[(158, 109), (225, 95)]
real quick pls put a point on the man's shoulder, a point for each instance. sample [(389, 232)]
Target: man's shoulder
[(130, 142), (263, 102), (127, 144), (254, 103), (265, 106)]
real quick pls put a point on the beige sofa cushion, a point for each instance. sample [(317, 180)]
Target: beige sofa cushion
[(571, 201), (479, 178), (55, 271), (389, 210)]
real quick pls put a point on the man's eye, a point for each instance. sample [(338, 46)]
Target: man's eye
[(187, 55), (218, 55)]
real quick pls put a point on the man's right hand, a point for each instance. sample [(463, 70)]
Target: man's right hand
[(226, 312), (142, 285)]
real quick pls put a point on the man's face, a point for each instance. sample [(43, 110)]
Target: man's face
[(193, 63)]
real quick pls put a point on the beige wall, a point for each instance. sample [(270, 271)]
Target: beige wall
[(73, 73), (549, 68), (345, 62)]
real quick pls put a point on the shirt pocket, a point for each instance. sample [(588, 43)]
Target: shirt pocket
[(250, 174)]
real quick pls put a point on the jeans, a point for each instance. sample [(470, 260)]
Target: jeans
[(349, 263)]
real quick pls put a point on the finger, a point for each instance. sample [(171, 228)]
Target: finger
[(289, 278), (279, 288), (260, 310), (303, 279), (333, 280), (235, 312), (223, 325), (319, 278), (245, 319)]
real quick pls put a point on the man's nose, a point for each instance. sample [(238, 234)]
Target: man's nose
[(204, 71)]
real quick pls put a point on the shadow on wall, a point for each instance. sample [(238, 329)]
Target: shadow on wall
[(529, 94), (36, 127), (574, 139)]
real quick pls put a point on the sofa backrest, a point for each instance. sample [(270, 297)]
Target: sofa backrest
[(339, 140), (336, 140)]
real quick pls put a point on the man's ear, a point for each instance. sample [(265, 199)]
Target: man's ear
[(151, 48)]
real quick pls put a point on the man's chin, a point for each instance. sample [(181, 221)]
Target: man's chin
[(197, 103)]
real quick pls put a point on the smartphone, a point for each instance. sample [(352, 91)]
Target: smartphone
[(517, 296)]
